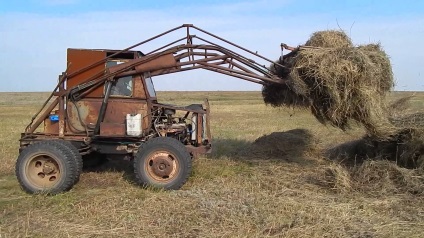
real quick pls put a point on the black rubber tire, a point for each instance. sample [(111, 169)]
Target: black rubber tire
[(75, 153), (173, 146), (62, 156)]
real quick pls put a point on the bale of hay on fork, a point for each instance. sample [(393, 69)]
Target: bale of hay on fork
[(340, 82)]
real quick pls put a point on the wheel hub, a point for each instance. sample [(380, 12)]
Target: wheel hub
[(161, 166), (43, 171), (48, 168)]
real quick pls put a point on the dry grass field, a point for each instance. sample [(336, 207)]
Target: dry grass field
[(282, 188)]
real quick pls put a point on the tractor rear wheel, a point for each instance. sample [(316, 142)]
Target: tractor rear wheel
[(46, 167), (162, 162)]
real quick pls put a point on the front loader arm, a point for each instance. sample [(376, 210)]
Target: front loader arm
[(170, 58), (188, 56)]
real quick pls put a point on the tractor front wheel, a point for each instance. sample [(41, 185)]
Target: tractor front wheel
[(162, 162)]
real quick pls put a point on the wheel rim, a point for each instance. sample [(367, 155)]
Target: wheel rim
[(162, 166), (43, 170)]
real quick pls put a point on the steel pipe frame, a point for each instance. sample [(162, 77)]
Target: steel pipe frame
[(228, 54)]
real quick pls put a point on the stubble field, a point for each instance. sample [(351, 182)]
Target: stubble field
[(243, 189)]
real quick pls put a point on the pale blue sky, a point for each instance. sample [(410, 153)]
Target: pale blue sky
[(34, 34)]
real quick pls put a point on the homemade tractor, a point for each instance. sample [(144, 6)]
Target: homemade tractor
[(105, 104)]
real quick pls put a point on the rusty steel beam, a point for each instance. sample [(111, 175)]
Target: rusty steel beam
[(43, 116), (133, 72), (60, 82), (241, 73), (102, 111), (208, 126), (93, 87), (186, 54), (234, 75), (221, 57), (230, 56), (235, 45), (199, 127), (189, 48), (239, 66), (246, 61), (173, 70), (62, 109), (163, 47), (191, 61), (124, 69)]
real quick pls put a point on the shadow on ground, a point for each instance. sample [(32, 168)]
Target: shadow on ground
[(293, 146), (96, 165)]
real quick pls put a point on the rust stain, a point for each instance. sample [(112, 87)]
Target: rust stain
[(164, 61), (51, 127), (112, 129)]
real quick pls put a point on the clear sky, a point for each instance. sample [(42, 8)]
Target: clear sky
[(35, 34)]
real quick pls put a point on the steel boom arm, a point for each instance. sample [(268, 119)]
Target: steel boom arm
[(174, 58), (188, 56)]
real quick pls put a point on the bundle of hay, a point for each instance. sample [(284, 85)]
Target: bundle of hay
[(292, 145), (377, 178), (329, 39), (338, 81), (385, 177), (406, 149), (405, 146), (284, 95)]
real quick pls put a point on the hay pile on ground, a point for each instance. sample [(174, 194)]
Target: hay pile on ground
[(293, 146), (406, 151), (371, 177)]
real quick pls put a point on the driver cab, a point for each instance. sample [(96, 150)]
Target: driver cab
[(129, 94), (123, 86)]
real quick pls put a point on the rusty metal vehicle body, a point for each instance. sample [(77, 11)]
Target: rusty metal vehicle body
[(102, 90)]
